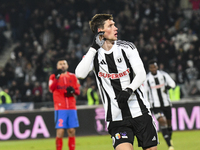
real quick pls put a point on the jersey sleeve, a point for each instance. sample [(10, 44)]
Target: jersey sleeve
[(86, 64), (170, 82), (138, 68), (77, 86), (52, 83)]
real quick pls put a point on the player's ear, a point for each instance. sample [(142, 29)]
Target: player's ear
[(98, 30), (157, 67)]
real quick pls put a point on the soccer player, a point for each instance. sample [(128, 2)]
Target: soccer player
[(157, 85), (64, 86), (119, 74)]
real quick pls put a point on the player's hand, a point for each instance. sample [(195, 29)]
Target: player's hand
[(166, 89), (70, 90), (58, 73), (97, 43), (124, 95)]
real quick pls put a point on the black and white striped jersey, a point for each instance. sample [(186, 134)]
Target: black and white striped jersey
[(155, 87), (114, 71)]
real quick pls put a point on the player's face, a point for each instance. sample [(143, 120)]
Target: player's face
[(110, 30), (153, 69), (62, 64)]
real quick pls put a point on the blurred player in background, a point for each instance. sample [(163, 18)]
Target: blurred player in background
[(64, 86), (157, 85), (119, 74)]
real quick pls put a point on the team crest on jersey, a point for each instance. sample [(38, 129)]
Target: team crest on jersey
[(119, 60), (117, 136)]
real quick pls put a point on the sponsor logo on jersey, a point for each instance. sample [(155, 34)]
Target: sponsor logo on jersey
[(114, 75), (157, 86)]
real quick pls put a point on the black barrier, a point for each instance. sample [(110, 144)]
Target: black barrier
[(40, 124)]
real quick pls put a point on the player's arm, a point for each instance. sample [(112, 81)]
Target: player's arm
[(52, 83), (86, 64), (140, 76), (138, 68), (170, 81), (77, 87)]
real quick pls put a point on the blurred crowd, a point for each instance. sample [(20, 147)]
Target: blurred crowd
[(43, 31)]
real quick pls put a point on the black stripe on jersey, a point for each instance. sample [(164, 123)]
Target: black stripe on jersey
[(159, 92), (128, 65), (108, 116), (141, 104), (120, 42), (96, 68), (112, 68)]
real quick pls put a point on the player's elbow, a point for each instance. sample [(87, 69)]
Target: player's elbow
[(142, 75), (173, 85), (79, 74)]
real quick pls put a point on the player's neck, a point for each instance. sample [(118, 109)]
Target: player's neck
[(108, 45)]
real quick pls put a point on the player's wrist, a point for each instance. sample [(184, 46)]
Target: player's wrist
[(95, 46), (129, 90)]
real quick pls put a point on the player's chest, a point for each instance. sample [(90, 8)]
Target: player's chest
[(157, 82), (112, 62), (65, 80)]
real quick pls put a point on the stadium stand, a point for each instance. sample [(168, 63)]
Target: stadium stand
[(42, 31)]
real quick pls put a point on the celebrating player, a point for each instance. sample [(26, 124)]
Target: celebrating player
[(119, 74)]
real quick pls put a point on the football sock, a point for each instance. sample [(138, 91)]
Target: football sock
[(166, 135), (59, 143), (170, 132), (71, 143)]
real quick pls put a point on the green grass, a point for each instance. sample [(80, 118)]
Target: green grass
[(183, 140)]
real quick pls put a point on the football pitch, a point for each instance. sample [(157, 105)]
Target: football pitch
[(183, 140)]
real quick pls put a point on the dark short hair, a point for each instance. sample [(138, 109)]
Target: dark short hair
[(98, 21), (60, 58), (152, 61)]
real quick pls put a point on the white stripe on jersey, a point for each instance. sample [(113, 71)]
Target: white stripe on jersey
[(113, 73), (155, 86)]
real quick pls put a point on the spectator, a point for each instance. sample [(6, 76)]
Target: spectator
[(182, 80), (26, 91), (92, 95), (5, 97), (2, 24), (62, 27), (17, 97), (36, 98), (37, 89)]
